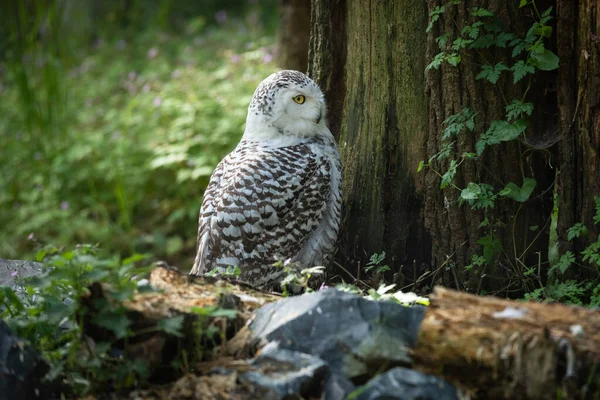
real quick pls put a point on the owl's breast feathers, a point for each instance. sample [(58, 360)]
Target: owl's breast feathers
[(266, 204)]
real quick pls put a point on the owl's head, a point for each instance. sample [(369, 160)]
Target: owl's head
[(288, 104)]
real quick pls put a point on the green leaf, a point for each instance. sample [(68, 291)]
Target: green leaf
[(545, 61), (492, 73), (460, 43), (504, 131), (40, 255), (442, 40), (520, 194), (449, 175), (483, 42), (114, 321), (517, 109), (135, 258), (471, 31), (544, 31), (519, 46), (563, 263), (481, 12), (224, 312), (421, 166), (453, 59), (172, 326), (547, 12), (491, 247), (523, 3), (436, 62), (503, 38), (577, 230), (471, 192), (520, 69), (434, 16)]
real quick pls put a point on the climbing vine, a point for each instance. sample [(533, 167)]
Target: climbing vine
[(470, 42)]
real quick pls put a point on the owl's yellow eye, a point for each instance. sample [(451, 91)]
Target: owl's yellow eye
[(299, 99)]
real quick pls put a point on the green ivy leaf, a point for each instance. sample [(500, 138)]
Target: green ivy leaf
[(520, 194), (523, 3), (545, 60), (421, 166)]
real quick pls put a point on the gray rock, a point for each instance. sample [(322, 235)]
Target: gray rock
[(406, 384), (290, 374), (11, 270), (338, 387), (21, 369), (353, 335)]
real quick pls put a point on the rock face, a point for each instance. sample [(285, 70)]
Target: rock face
[(335, 338), (21, 369), (402, 383), (11, 270)]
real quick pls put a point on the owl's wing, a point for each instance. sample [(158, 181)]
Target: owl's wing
[(206, 213), (263, 209)]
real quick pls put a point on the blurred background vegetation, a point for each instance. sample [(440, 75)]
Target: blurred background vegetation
[(113, 114)]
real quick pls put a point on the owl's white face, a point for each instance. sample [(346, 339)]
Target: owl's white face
[(286, 104)]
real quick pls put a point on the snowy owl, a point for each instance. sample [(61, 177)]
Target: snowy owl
[(277, 195)]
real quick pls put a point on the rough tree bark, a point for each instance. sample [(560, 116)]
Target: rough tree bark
[(294, 33), (388, 115), (578, 177), (455, 230), (369, 59)]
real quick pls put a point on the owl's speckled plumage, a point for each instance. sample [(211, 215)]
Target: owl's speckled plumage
[(277, 196)]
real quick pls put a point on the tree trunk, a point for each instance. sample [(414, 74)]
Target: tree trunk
[(369, 58), (294, 33), (578, 178), (388, 114)]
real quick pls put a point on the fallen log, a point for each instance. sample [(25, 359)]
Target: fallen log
[(488, 347), (175, 295), (510, 349)]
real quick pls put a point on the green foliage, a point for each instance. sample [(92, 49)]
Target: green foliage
[(114, 143), (481, 34), (376, 263), (48, 314)]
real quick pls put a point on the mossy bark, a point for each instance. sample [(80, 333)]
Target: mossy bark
[(388, 114), (456, 230), (369, 57)]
